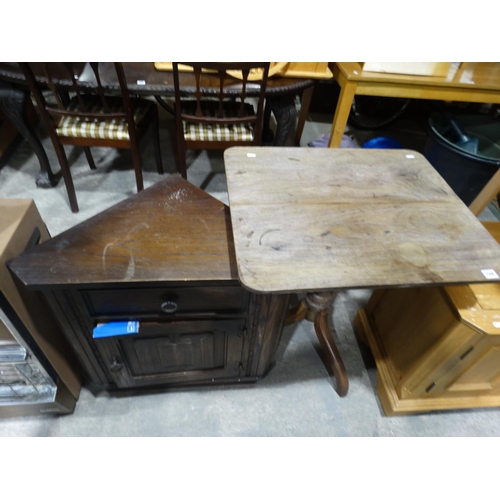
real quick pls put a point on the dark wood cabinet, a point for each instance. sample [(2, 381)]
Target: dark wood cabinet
[(164, 258), (175, 352)]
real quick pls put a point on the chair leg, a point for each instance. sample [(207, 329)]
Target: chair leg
[(267, 133), (136, 159), (181, 157), (90, 158), (304, 111), (68, 181), (156, 142)]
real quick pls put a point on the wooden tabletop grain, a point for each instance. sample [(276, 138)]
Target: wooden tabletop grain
[(318, 219), (470, 76)]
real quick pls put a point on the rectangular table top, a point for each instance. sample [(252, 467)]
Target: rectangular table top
[(470, 76), (318, 219)]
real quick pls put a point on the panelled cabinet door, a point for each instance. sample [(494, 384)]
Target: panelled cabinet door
[(478, 370), (444, 360), (164, 353)]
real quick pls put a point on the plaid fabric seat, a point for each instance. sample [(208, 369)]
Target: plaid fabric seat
[(74, 126), (217, 132)]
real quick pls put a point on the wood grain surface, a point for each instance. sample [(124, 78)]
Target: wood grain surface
[(312, 219), (172, 231), (466, 75)]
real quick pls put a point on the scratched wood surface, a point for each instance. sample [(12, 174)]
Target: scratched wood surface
[(312, 219), (172, 231)]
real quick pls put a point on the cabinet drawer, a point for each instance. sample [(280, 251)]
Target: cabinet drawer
[(170, 301)]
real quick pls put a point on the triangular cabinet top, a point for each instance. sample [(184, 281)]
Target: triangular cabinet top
[(170, 232)]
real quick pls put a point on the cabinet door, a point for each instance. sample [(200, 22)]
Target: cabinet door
[(477, 372), (174, 352)]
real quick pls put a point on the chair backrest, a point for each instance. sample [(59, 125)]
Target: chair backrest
[(50, 75), (226, 88)]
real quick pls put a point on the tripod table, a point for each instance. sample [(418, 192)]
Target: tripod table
[(316, 221)]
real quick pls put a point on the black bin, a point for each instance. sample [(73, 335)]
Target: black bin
[(465, 172)]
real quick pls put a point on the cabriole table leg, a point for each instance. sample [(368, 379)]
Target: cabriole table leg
[(315, 307), (296, 313)]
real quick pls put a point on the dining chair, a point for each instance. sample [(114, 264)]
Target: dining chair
[(77, 117), (220, 118)]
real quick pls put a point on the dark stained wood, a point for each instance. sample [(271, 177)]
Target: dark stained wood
[(174, 300), (266, 312), (318, 305), (52, 114), (172, 232), (165, 258), (19, 110), (143, 79), (297, 313), (231, 107), (174, 352)]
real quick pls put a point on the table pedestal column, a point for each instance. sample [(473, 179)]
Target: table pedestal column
[(315, 308)]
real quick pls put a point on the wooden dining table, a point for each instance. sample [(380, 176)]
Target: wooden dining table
[(465, 82), (143, 79)]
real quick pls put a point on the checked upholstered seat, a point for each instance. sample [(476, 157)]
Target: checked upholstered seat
[(109, 128), (220, 113), (91, 117), (217, 131)]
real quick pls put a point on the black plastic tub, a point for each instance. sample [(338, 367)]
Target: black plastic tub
[(465, 172)]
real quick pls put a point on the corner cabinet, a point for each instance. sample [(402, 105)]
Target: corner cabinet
[(163, 258)]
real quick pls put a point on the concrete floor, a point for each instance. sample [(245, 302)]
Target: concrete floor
[(296, 398)]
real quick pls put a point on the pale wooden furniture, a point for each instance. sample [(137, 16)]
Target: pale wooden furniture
[(319, 220), (435, 349), (488, 193), (282, 69), (469, 82), (408, 68)]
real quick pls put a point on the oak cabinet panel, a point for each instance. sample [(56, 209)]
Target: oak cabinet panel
[(429, 356)]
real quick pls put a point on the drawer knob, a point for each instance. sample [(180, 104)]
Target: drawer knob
[(116, 365), (169, 306)]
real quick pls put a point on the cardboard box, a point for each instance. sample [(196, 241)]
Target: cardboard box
[(19, 222)]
